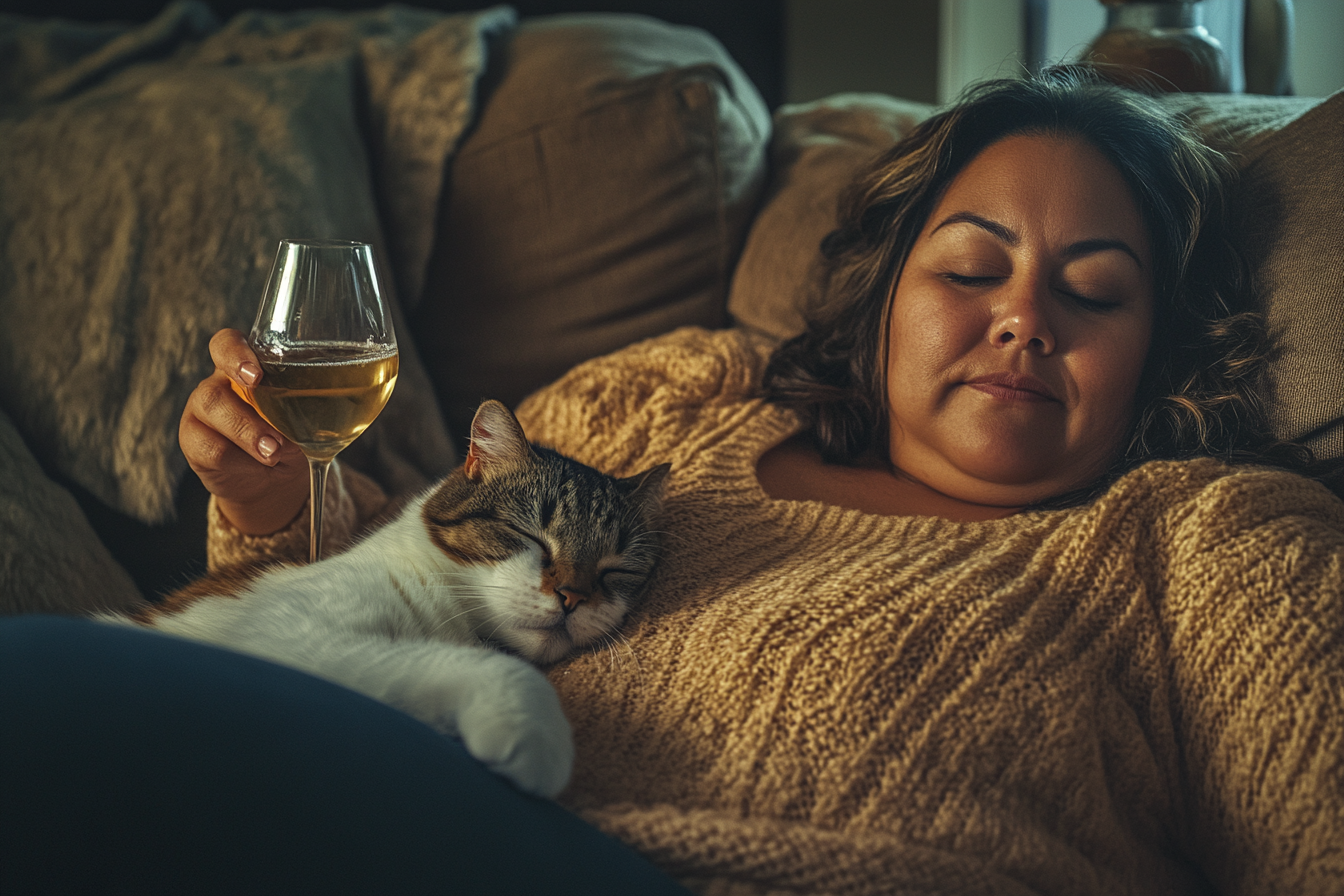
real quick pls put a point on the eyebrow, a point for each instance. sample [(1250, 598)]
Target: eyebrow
[(1005, 235)]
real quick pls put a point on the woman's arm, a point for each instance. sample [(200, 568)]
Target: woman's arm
[(1256, 620), (352, 503)]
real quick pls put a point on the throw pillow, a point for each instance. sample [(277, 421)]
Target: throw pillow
[(601, 198), (1290, 218), (816, 151)]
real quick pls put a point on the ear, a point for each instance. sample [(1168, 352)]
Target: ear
[(497, 441), (645, 489)]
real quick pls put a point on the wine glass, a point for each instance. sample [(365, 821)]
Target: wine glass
[(324, 338)]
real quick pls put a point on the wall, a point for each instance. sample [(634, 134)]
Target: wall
[(1317, 65), (1318, 52), (929, 49), (886, 46)]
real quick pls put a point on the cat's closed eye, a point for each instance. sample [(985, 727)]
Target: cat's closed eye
[(538, 541), (620, 581)]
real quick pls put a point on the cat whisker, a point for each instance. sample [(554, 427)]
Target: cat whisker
[(479, 590), (444, 622), (654, 535), (503, 620), (630, 649), (614, 641), (608, 644), (449, 580)]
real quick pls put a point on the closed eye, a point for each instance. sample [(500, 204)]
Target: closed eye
[(968, 280), (1089, 304), (545, 550), (619, 577), (1081, 300)]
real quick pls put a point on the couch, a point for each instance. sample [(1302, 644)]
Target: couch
[(539, 192)]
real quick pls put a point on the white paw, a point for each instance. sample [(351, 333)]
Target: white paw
[(514, 724)]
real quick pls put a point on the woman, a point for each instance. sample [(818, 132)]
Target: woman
[(961, 592)]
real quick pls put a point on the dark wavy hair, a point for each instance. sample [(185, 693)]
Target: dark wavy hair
[(1200, 392)]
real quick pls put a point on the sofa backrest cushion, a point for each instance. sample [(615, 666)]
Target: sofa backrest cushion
[(1290, 225), (816, 151), (602, 197)]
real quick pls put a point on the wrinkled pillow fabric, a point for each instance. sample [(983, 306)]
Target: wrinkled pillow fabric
[(416, 71)]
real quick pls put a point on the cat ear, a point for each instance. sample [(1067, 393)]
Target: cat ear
[(497, 441), (645, 489)]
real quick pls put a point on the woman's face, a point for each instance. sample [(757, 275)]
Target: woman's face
[(1020, 325)]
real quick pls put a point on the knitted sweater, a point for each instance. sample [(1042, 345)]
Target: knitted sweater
[(1143, 695)]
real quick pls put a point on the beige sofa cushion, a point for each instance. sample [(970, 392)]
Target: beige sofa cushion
[(1290, 217), (816, 150), (601, 198)]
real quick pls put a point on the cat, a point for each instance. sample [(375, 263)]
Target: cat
[(520, 554)]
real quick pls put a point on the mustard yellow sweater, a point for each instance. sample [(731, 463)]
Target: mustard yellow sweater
[(1144, 695)]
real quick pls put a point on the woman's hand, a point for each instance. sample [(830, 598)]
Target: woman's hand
[(259, 479)]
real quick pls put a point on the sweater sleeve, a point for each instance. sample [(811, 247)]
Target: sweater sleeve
[(1255, 607), (628, 411), (351, 502)]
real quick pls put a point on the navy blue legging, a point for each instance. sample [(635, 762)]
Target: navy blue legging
[(132, 762)]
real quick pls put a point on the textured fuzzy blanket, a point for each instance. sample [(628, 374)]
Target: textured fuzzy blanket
[(146, 176)]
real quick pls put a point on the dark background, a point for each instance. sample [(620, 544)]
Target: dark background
[(751, 30)]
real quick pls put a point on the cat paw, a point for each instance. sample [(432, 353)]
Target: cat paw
[(516, 727)]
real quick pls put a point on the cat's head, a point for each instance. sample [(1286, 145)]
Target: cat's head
[(559, 552)]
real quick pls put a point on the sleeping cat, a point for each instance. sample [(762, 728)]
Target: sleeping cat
[(519, 548)]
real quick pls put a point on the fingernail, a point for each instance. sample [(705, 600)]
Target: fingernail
[(249, 372), (267, 446)]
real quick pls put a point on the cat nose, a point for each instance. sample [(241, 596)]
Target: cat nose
[(570, 598)]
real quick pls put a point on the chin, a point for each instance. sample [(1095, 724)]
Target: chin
[(1036, 463), (1000, 461), (1026, 480), (541, 645)]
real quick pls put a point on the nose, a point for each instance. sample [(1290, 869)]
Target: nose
[(570, 598), (1021, 321)]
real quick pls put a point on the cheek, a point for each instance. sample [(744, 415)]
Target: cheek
[(927, 336), (1108, 375)]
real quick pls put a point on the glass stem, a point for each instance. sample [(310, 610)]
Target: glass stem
[(317, 474)]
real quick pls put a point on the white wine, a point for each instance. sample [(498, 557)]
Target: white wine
[(323, 396)]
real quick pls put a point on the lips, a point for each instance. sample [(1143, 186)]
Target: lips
[(1013, 387)]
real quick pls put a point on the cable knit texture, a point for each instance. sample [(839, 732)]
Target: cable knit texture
[(1138, 696)]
